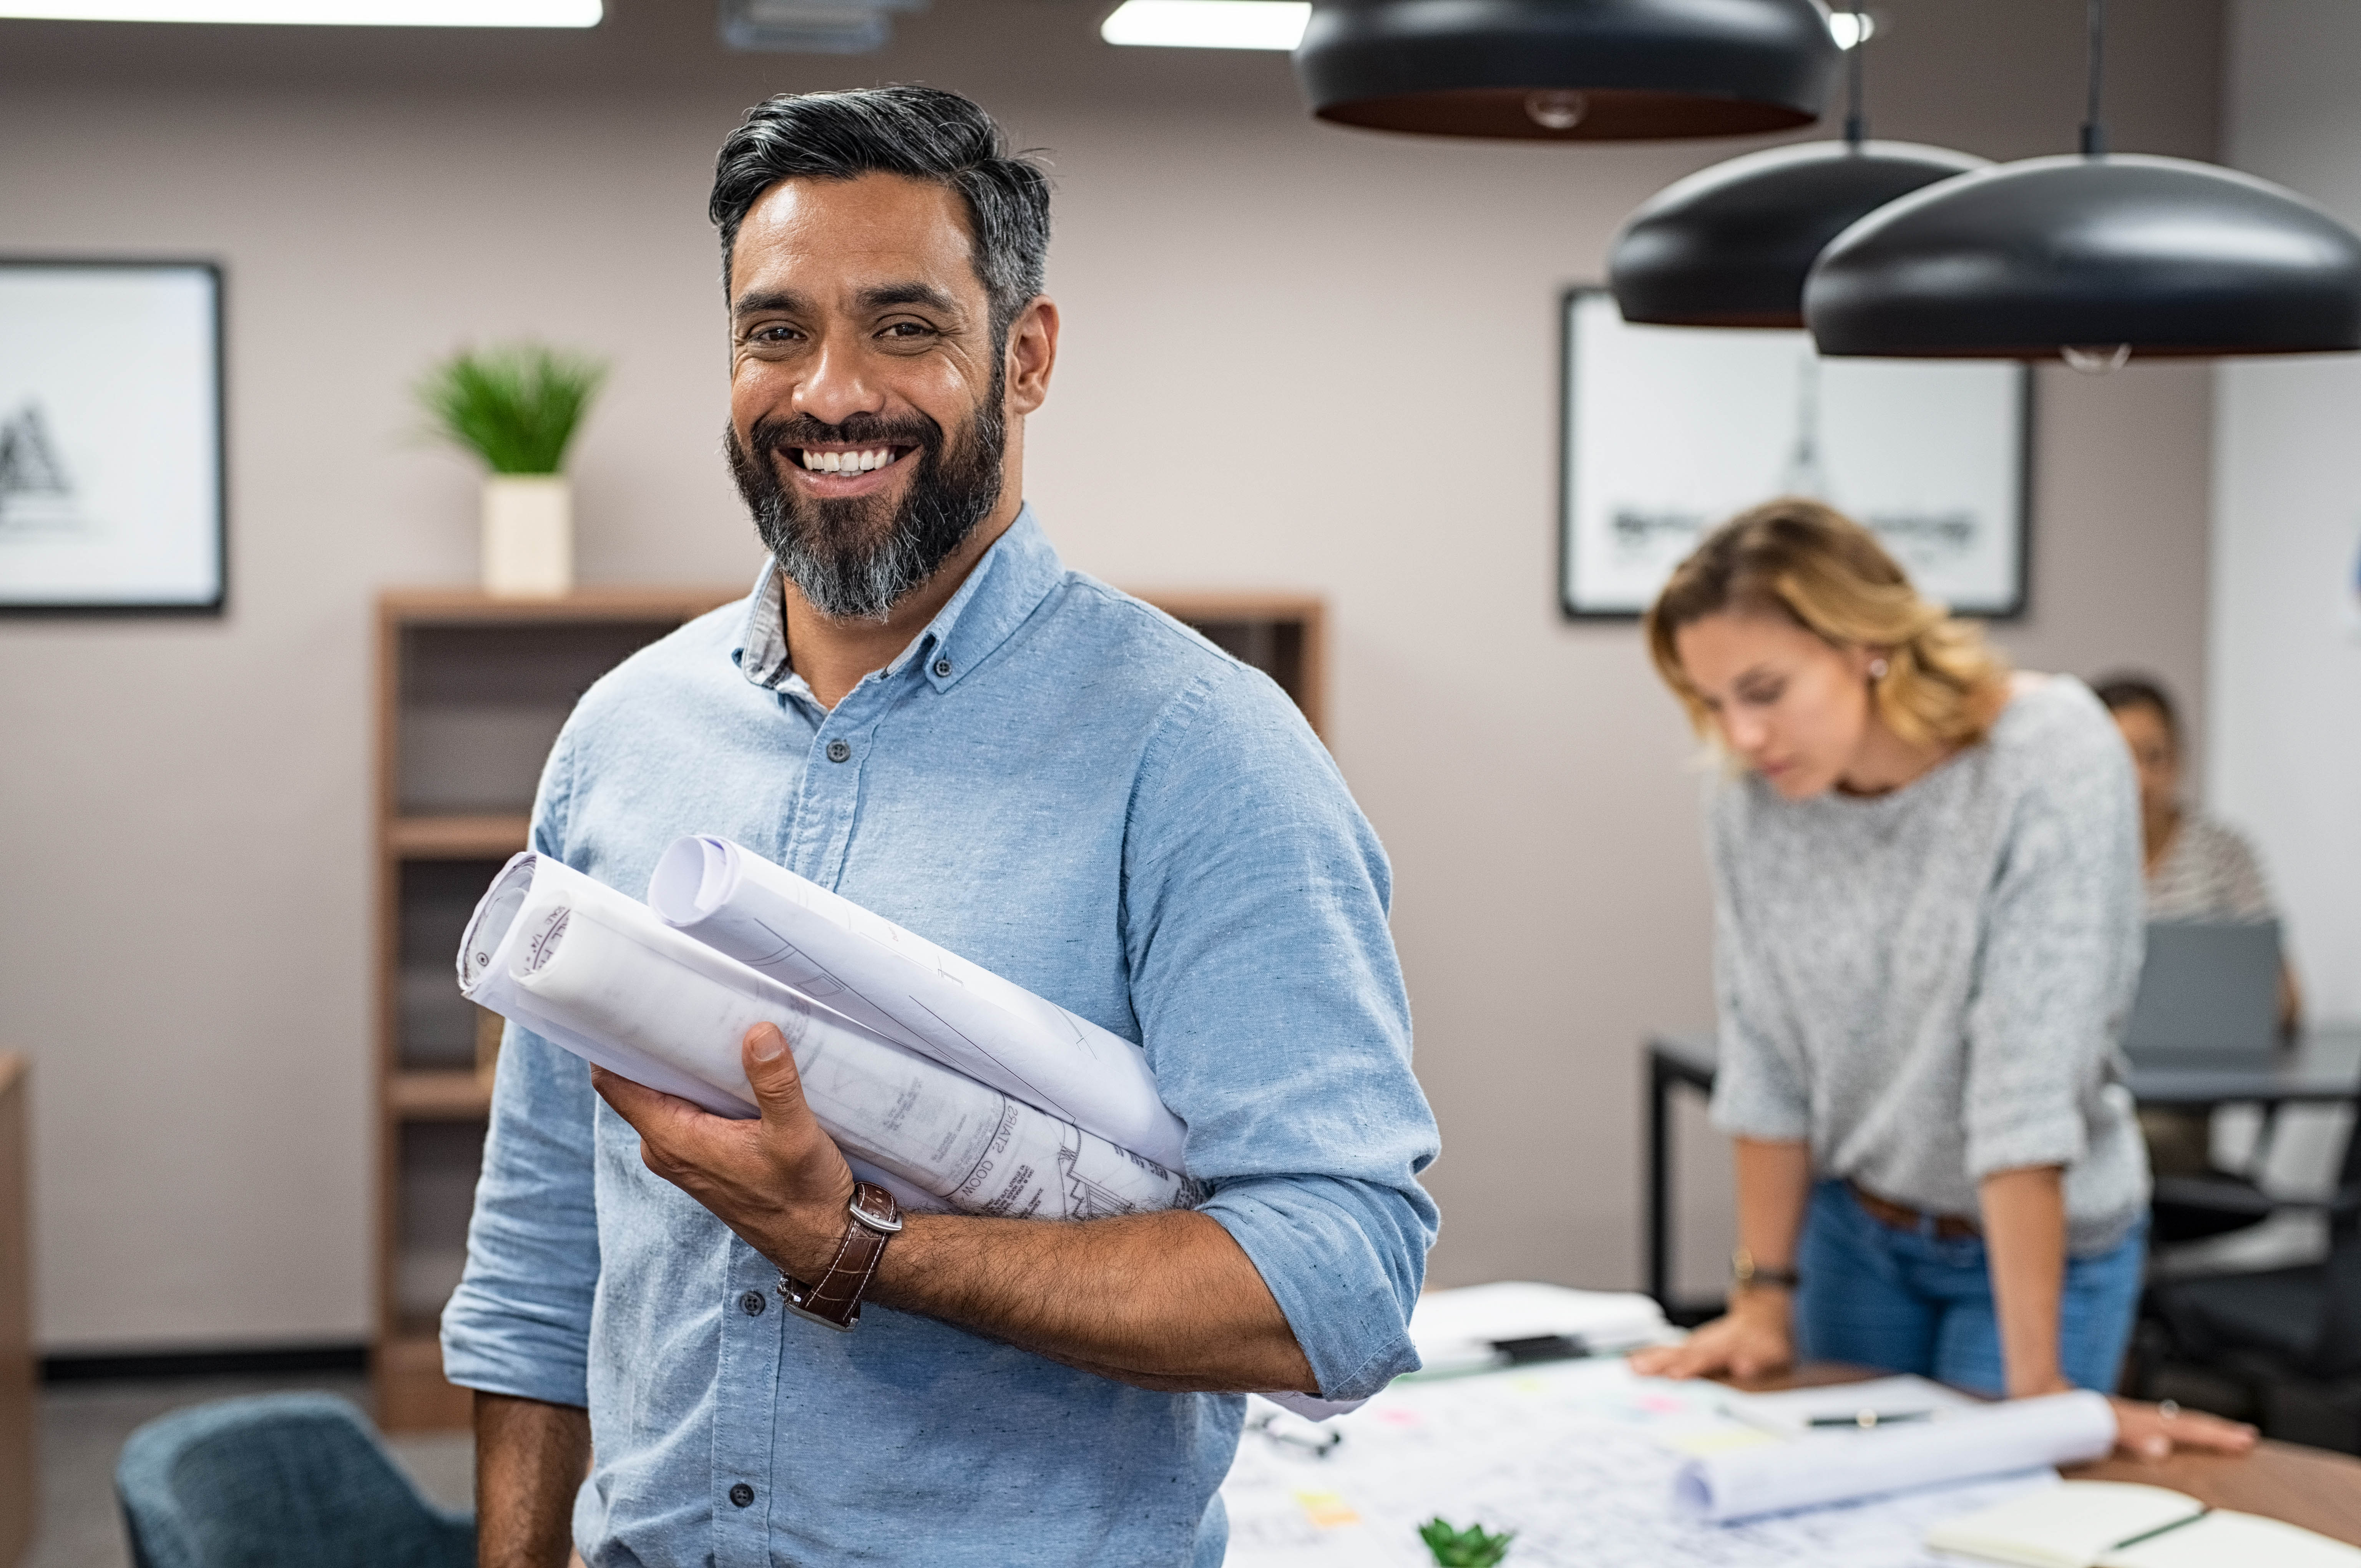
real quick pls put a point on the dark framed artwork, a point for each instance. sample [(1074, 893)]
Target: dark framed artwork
[(1667, 431), (113, 487)]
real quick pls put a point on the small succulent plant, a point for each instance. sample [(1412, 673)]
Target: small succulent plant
[(1471, 1547)]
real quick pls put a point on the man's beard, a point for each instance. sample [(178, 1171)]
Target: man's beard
[(851, 558)]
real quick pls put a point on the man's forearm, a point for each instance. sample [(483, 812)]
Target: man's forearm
[(2024, 1244), (1166, 1301), (529, 1461)]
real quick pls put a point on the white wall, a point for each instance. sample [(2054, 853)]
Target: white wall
[(2284, 654), (1268, 320)]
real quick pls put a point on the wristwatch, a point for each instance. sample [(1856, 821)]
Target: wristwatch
[(835, 1298), (1746, 1273)]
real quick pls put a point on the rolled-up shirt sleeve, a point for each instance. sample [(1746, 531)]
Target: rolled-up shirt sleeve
[(2061, 953), (1271, 1006), (519, 1322)]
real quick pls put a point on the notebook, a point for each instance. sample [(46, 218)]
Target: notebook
[(2119, 1524)]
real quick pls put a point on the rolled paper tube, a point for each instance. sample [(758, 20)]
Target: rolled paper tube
[(903, 988), (598, 973), (1841, 1467)]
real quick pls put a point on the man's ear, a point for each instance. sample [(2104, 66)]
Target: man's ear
[(1032, 355)]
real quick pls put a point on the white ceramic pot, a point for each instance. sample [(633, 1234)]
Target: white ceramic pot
[(527, 536)]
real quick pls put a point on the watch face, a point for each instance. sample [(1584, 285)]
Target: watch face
[(874, 1207)]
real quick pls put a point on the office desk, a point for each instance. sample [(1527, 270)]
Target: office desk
[(2323, 1065)]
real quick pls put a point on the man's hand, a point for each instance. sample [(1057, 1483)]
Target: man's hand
[(1168, 1301), (781, 1183)]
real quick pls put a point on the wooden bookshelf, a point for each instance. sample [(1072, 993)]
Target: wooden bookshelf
[(470, 693)]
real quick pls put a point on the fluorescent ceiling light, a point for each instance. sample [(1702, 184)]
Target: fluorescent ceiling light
[(317, 13), (1208, 24)]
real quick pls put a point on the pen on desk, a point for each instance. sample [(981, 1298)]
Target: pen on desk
[(1868, 1419)]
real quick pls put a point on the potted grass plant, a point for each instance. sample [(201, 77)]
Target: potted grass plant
[(516, 407)]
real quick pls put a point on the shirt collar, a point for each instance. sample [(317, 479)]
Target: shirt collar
[(1006, 585)]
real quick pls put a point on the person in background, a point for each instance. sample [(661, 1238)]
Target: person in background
[(1927, 927), (2198, 868)]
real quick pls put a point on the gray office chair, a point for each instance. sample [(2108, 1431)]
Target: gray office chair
[(281, 1481)]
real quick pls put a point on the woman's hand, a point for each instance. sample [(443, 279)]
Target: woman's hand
[(2153, 1432), (1753, 1340)]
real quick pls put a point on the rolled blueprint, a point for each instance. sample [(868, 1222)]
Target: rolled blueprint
[(909, 991), (595, 971), (1841, 1467)]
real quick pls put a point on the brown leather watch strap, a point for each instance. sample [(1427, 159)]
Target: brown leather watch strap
[(834, 1299)]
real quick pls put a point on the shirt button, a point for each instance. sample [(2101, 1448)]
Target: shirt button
[(741, 1494), (839, 750), (942, 667), (751, 1303)]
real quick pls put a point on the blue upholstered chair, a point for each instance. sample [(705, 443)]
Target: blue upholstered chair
[(281, 1481)]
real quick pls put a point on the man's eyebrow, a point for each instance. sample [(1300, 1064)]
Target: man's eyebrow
[(887, 295), (768, 299)]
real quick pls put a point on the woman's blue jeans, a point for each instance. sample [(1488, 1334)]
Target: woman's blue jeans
[(1907, 1302)]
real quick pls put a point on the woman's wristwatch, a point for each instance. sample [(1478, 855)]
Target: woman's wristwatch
[(1746, 1273), (835, 1298)]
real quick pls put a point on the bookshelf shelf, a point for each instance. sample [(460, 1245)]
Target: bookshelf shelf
[(456, 838), (453, 1095)]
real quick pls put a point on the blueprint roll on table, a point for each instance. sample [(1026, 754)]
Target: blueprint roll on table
[(1958, 1445), (595, 971), (911, 992)]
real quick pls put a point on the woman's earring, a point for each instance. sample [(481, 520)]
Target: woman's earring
[(1877, 669)]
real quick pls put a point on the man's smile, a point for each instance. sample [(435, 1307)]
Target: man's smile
[(844, 470)]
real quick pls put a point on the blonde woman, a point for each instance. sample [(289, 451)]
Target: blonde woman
[(1928, 928)]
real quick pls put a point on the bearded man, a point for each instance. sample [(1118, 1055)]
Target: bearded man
[(921, 707)]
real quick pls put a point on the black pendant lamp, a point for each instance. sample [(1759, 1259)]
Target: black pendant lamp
[(1567, 69), (2097, 258), (1730, 244)]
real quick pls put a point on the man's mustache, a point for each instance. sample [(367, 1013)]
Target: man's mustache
[(771, 436)]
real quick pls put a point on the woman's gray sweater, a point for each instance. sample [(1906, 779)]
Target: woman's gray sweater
[(1931, 985)]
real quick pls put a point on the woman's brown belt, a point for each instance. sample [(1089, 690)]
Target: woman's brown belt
[(1901, 1217)]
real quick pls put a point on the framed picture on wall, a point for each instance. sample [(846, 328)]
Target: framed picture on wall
[(112, 488), (1670, 430)]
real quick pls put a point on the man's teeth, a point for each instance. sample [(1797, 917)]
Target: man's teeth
[(847, 462)]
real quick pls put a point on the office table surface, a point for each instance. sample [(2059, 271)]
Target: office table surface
[(2308, 1486), (2323, 1064)]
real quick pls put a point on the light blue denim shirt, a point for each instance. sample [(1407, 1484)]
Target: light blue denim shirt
[(1067, 786)]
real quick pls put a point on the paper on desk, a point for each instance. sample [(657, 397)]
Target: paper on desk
[(2071, 1525), (2223, 1539), (1791, 1411), (595, 971), (1457, 1330), (1576, 1457), (1827, 1467), (911, 992)]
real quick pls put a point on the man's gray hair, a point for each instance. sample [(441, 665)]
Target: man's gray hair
[(921, 133)]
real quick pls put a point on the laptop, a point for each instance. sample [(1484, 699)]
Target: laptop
[(2208, 988)]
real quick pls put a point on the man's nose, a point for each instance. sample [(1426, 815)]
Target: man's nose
[(835, 387)]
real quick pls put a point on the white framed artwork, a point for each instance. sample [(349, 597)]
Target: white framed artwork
[(111, 485), (1668, 430)]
